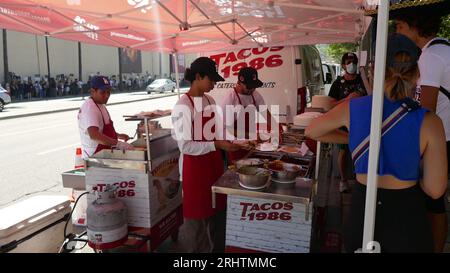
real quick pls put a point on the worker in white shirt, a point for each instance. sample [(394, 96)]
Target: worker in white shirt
[(201, 161), (247, 101), (94, 122)]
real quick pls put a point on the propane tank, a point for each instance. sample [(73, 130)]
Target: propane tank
[(107, 221)]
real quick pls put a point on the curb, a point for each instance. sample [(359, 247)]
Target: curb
[(76, 108)]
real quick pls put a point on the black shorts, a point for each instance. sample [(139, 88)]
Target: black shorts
[(343, 146), (401, 224), (438, 205), (434, 205)]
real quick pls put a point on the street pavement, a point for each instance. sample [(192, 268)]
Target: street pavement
[(38, 140)]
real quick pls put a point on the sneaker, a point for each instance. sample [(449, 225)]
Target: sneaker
[(343, 186)]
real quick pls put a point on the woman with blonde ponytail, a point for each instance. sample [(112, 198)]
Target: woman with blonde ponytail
[(401, 224), (400, 81)]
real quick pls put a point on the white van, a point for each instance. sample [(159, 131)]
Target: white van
[(330, 72), (285, 71)]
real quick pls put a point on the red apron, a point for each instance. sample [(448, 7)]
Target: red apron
[(200, 172), (233, 156), (108, 130)]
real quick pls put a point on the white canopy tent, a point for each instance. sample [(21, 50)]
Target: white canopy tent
[(187, 26)]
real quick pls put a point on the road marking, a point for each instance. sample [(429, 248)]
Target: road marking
[(37, 129), (59, 148)]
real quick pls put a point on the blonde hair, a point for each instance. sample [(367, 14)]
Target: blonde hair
[(400, 81)]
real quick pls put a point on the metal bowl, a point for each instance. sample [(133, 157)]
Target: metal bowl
[(284, 172), (253, 177), (255, 162)]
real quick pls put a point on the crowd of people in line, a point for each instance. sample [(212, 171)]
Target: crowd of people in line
[(28, 88)]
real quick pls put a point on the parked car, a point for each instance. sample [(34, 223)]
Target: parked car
[(4, 98), (161, 85), (330, 72)]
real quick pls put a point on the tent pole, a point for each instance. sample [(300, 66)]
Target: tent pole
[(80, 63), (214, 23), (369, 246), (37, 55), (234, 20), (5, 58), (177, 77), (48, 57), (169, 11), (361, 25), (185, 11)]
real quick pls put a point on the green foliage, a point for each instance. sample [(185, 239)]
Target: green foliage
[(335, 51), (444, 31)]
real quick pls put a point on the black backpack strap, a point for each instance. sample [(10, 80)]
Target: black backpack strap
[(445, 92), (439, 42)]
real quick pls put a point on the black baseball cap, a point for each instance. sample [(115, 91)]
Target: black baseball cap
[(206, 66), (398, 43), (349, 55), (249, 77)]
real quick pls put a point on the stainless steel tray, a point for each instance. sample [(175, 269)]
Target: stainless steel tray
[(74, 179), (299, 192)]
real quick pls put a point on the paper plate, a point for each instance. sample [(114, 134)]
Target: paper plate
[(261, 148)]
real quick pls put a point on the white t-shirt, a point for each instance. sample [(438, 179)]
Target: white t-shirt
[(88, 116), (434, 66), (231, 98), (182, 124)]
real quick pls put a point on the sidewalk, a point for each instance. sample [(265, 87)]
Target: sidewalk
[(54, 105)]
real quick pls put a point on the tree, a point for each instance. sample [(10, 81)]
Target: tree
[(444, 31), (335, 51)]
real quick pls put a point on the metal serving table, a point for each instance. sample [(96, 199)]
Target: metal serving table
[(275, 219), (299, 192)]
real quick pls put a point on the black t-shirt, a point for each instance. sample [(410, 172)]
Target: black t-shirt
[(341, 88)]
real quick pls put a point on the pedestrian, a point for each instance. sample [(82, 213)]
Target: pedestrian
[(346, 87), (421, 26), (38, 88), (66, 88), (412, 134)]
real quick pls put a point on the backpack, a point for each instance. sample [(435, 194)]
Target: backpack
[(447, 43)]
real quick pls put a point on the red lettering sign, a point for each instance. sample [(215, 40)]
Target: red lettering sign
[(234, 62)]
